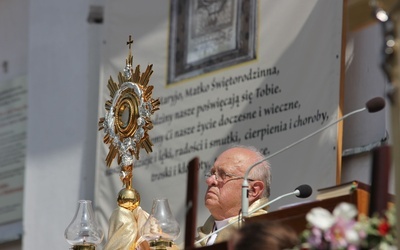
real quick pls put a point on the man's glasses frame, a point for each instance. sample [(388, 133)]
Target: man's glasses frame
[(223, 176)]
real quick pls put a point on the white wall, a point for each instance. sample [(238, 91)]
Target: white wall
[(53, 44), (63, 84)]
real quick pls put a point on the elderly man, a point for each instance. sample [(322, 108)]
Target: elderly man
[(223, 196)]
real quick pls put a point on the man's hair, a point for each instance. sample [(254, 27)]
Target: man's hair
[(266, 235), (261, 171)]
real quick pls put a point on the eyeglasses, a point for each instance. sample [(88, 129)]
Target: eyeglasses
[(224, 177)]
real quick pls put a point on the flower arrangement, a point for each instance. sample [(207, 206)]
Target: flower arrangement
[(342, 230)]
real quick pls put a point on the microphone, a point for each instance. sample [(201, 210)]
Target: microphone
[(374, 105), (302, 191)]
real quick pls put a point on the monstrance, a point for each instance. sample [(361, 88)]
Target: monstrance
[(126, 124)]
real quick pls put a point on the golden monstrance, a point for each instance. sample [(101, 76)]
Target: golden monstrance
[(127, 122)]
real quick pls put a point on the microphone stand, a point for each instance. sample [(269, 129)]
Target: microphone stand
[(245, 185), (272, 201)]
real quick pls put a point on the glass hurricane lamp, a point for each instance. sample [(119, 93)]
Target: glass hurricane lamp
[(83, 233), (161, 229)]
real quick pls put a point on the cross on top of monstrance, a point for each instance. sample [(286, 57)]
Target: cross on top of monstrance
[(129, 42), (129, 59), (126, 123)]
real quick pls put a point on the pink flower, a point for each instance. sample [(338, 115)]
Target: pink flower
[(337, 228), (342, 234), (340, 230)]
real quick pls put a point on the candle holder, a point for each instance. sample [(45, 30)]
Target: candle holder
[(83, 233), (161, 229)]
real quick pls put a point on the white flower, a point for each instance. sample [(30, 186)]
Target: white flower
[(346, 211), (352, 237), (320, 218), (323, 219)]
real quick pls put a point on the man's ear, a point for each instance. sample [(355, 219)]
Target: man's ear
[(256, 190)]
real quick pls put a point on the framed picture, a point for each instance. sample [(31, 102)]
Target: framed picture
[(206, 35)]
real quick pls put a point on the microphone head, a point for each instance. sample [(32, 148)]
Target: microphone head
[(304, 191), (375, 104)]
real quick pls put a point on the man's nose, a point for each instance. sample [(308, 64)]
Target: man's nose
[(211, 181)]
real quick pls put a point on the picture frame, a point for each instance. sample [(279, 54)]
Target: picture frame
[(206, 35)]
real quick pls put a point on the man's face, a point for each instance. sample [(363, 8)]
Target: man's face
[(223, 196)]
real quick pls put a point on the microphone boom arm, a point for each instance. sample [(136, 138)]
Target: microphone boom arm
[(304, 138), (245, 185), (272, 201)]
